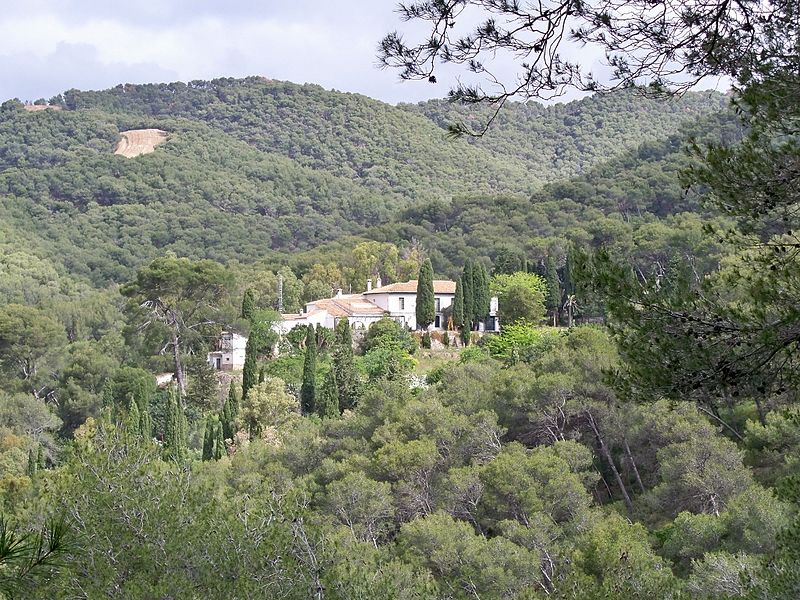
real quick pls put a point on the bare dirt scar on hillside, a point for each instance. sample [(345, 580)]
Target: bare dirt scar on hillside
[(139, 141)]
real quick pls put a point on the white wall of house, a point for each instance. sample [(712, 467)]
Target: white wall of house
[(230, 355), (402, 307)]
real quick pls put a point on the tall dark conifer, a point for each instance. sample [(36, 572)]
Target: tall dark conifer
[(175, 429), (308, 390), (469, 295), (230, 410), (248, 304), (426, 304), (250, 369), (553, 289), (328, 397), (344, 366), (219, 442), (458, 305), (208, 439)]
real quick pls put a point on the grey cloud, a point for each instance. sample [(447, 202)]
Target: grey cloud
[(70, 66)]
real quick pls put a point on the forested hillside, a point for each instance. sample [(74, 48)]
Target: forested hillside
[(296, 167)]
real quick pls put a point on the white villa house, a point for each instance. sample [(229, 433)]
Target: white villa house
[(396, 300), (229, 352)]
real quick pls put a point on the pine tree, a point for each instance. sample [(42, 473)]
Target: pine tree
[(248, 304), (249, 370), (208, 439), (344, 366), (328, 399), (308, 389), (175, 428), (458, 305), (426, 304), (553, 289), (469, 295), (219, 442)]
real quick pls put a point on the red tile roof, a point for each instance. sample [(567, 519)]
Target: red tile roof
[(440, 286)]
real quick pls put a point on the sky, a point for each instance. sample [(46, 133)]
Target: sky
[(47, 47)]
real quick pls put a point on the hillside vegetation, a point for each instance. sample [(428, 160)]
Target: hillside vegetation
[(256, 169)]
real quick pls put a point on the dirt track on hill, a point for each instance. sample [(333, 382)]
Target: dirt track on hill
[(139, 141)]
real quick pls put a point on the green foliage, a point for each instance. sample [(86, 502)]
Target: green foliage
[(262, 332), (248, 304), (343, 367), (388, 332), (426, 308), (520, 296), (175, 430), (249, 370), (468, 285), (268, 408), (26, 557), (308, 389), (458, 304), (521, 341), (426, 340), (327, 404), (553, 283)]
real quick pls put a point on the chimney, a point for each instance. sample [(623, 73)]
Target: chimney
[(369, 284), (378, 282), (339, 293)]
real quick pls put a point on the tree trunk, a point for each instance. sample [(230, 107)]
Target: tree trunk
[(633, 464), (607, 455), (176, 354)]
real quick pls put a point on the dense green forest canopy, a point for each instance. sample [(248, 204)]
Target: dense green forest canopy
[(298, 167)]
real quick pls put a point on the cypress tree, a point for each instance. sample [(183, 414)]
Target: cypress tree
[(230, 410), (219, 442), (249, 374), (446, 339), (262, 375), (426, 340), (467, 282), (108, 394), (465, 336), (458, 305), (426, 305), (480, 292), (208, 439), (145, 424), (553, 289), (32, 464), (175, 429), (328, 400), (40, 458), (248, 304), (308, 390), (233, 397), (344, 366), (132, 423)]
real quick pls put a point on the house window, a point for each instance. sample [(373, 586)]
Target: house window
[(438, 305), (402, 303)]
